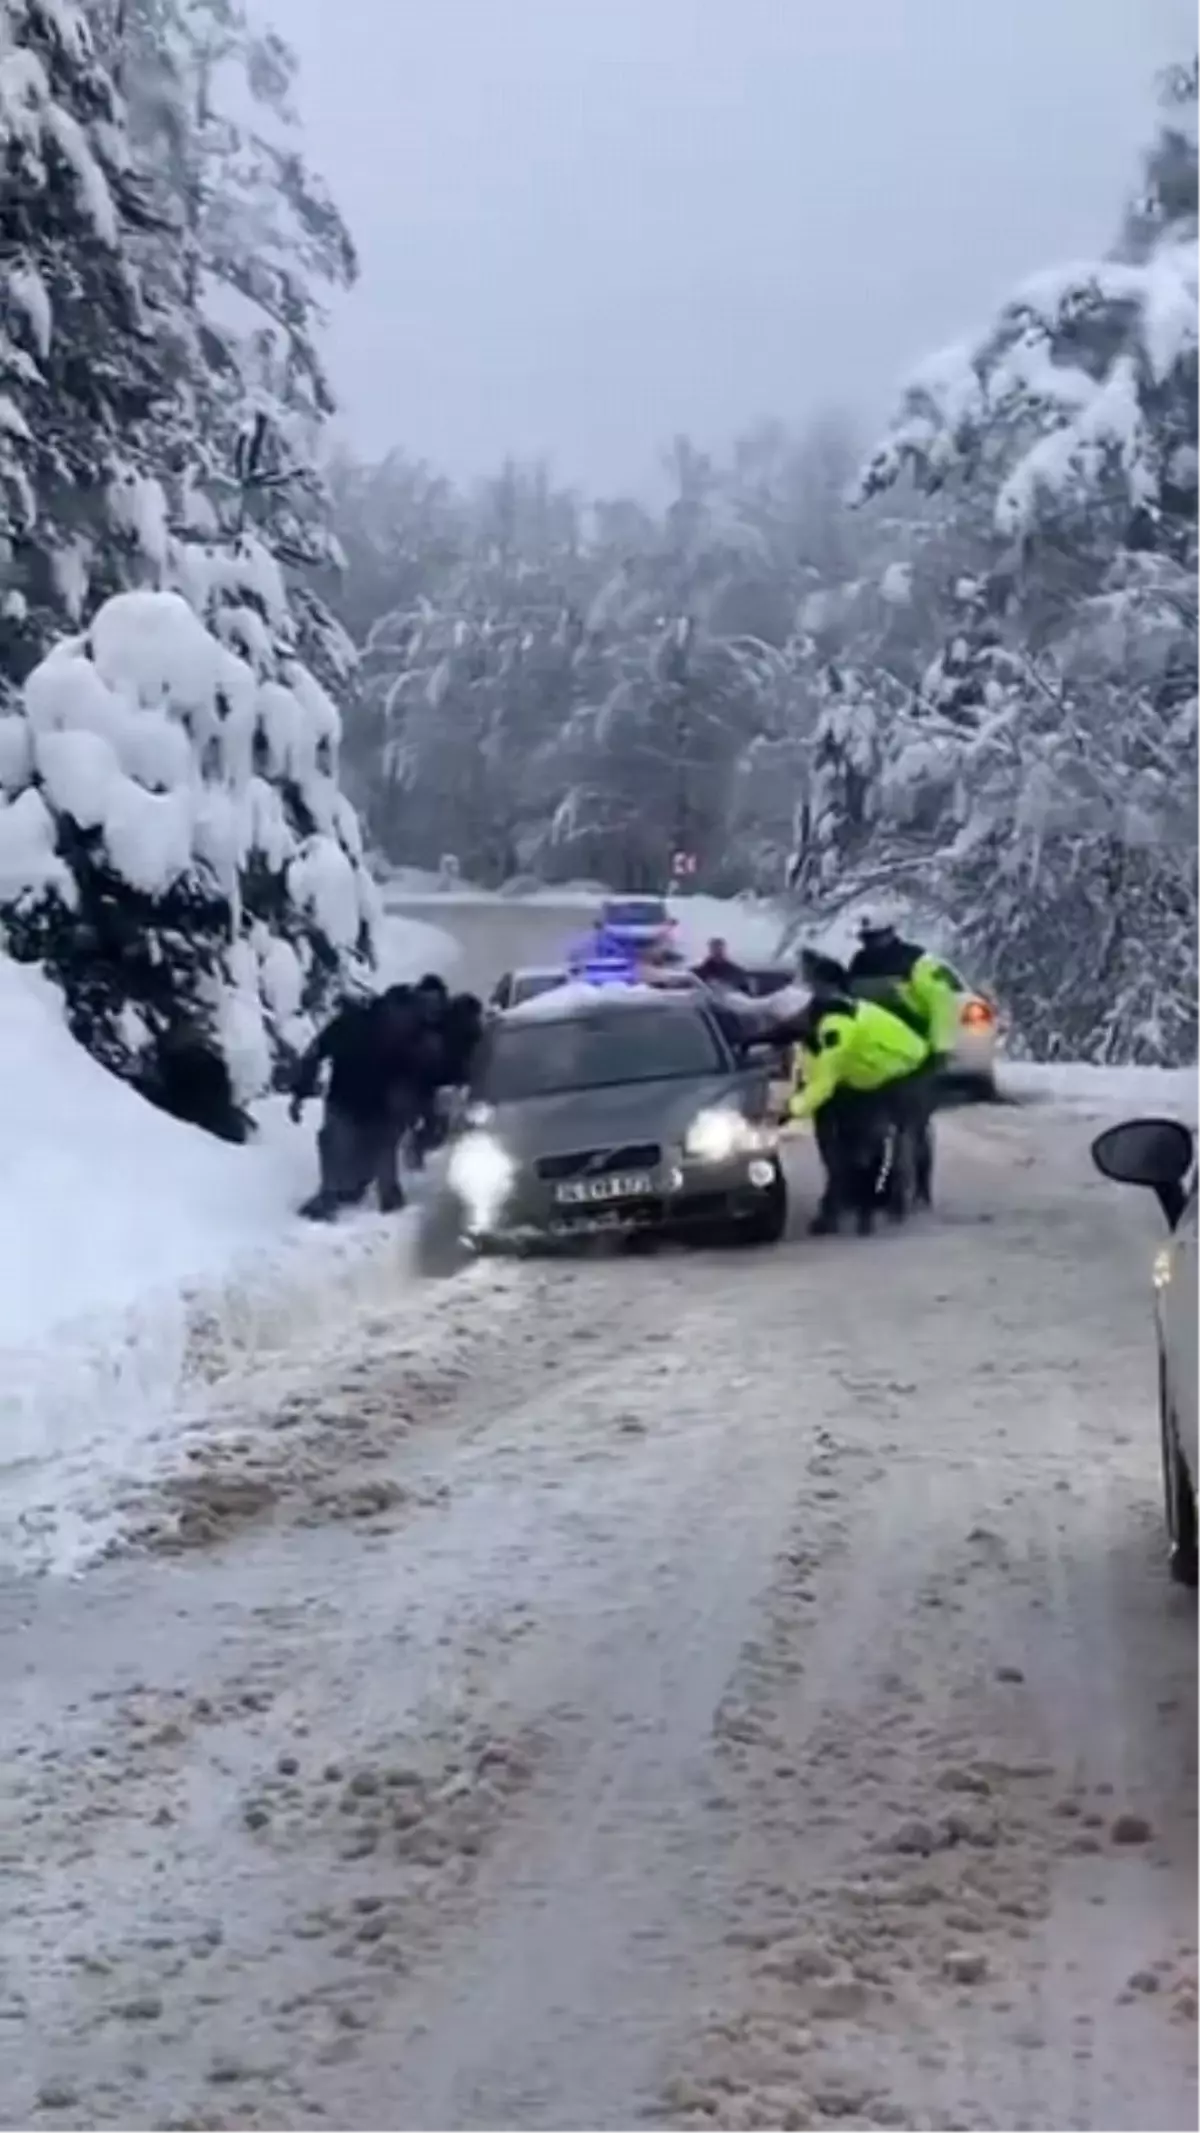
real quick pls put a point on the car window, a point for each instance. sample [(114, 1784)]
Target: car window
[(636, 911), (530, 984), (597, 1051)]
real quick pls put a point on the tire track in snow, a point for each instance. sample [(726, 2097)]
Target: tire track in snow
[(1036, 2040), (726, 1598)]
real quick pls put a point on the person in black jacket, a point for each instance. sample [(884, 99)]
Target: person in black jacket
[(449, 1029), (719, 968), (372, 1050)]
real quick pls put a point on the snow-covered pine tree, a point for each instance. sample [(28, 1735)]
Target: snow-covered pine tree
[(87, 400), (258, 239), (1075, 414), (1070, 828), (468, 686), (837, 814), (174, 850), (304, 880)]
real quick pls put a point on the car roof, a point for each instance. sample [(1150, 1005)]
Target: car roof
[(575, 1001)]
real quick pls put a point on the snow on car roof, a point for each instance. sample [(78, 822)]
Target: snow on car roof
[(575, 997)]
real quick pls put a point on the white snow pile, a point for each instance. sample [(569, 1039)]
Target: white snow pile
[(1105, 1091), (153, 732), (140, 1257)]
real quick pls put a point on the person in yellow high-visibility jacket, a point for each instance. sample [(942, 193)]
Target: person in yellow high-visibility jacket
[(923, 989), (861, 1072)]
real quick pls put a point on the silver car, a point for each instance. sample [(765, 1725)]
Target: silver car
[(1160, 1153), (620, 1110)]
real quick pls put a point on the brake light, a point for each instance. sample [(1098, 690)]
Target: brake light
[(978, 1015)]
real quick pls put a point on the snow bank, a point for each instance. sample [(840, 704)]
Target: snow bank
[(137, 1255), (1105, 1091)]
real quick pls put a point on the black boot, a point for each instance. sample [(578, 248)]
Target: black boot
[(824, 1223), (322, 1207)]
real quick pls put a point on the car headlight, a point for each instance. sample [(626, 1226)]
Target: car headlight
[(714, 1136), (481, 1172)]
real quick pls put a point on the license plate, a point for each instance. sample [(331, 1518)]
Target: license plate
[(586, 1192)]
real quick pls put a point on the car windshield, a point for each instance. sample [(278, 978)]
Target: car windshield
[(646, 911), (542, 1058)]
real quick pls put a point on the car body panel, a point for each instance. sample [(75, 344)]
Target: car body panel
[(1179, 1326), (1159, 1155), (637, 921), (976, 1032)]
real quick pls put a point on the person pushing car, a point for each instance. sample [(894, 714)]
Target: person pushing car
[(906, 977), (859, 1077), (923, 990)]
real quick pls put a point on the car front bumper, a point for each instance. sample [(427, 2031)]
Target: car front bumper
[(679, 1194)]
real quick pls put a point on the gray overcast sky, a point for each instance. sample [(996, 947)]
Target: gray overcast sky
[(587, 224)]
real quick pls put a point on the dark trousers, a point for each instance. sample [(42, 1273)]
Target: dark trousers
[(871, 1143), (851, 1131), (355, 1153), (913, 1101)]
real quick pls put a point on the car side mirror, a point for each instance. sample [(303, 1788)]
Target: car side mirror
[(757, 1052), (1154, 1152)]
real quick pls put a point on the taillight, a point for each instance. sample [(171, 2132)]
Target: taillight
[(978, 1015)]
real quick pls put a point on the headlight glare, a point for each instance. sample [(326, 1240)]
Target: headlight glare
[(715, 1135), (481, 1172)]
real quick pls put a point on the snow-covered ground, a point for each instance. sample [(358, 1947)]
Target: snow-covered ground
[(737, 1690), (141, 1258), (145, 1262), (1128, 1091), (142, 1261)]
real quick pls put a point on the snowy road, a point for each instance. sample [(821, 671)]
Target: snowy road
[(736, 1691)]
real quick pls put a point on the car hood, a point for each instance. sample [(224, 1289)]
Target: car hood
[(604, 1118)]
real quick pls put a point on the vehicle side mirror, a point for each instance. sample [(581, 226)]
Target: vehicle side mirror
[(757, 1052), (1154, 1152)]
